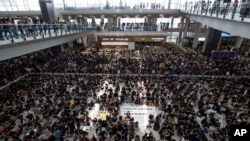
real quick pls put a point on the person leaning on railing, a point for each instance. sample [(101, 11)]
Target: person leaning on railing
[(6, 30)]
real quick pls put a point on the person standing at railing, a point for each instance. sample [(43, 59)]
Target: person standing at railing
[(214, 7), (196, 7), (13, 29), (248, 9), (65, 27), (235, 5), (225, 9), (207, 5), (20, 28), (203, 6), (30, 27), (191, 6), (1, 30), (69, 27), (25, 27), (39, 27), (35, 28), (113, 27), (72, 26), (6, 30), (61, 26), (45, 27), (55, 28)]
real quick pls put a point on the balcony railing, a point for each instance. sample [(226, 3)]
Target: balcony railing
[(12, 33), (233, 11)]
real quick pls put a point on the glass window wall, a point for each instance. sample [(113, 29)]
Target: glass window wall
[(27, 5), (19, 5), (59, 4), (119, 4), (31, 5)]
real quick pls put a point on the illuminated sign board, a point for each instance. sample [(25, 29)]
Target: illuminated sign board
[(116, 39), (131, 39)]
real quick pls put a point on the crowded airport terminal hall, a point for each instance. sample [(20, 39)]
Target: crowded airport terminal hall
[(124, 70)]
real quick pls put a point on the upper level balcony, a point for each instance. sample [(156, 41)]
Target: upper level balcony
[(19, 39), (15, 33), (229, 11)]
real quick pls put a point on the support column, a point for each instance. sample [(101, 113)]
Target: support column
[(110, 20), (116, 21), (171, 27), (211, 42), (95, 38), (62, 48), (110, 24), (85, 41), (47, 10), (180, 33), (172, 22), (70, 44), (197, 35), (238, 42), (169, 4), (182, 22), (186, 27), (179, 38), (93, 23)]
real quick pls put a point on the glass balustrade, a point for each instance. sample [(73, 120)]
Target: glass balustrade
[(27, 32)]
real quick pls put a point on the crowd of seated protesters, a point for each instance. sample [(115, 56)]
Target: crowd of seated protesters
[(45, 110), (168, 60), (13, 68), (36, 101), (51, 107)]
